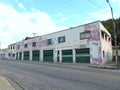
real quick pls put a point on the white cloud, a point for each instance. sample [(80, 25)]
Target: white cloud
[(103, 14), (115, 0), (21, 5), (118, 5), (15, 26)]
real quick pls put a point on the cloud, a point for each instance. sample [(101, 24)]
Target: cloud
[(21, 5), (103, 14), (118, 5), (115, 0), (15, 26)]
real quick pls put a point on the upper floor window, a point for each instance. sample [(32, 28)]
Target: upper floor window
[(103, 54), (13, 47), (18, 46), (49, 41), (34, 44), (61, 39), (85, 35), (105, 36), (109, 39), (25, 45), (102, 33)]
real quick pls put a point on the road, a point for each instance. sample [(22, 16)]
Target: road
[(50, 76)]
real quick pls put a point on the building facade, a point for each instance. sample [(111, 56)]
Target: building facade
[(12, 51), (89, 43), (4, 54)]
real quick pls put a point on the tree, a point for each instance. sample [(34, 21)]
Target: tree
[(109, 26)]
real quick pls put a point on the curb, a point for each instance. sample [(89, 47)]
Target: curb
[(105, 67)]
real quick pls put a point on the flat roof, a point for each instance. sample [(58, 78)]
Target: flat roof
[(59, 31)]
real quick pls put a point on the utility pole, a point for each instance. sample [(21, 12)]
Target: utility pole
[(0, 45), (34, 34), (0, 51), (115, 36)]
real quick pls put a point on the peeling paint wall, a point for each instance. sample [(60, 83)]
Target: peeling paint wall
[(85, 36)]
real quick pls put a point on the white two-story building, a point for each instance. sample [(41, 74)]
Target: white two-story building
[(89, 43), (4, 54)]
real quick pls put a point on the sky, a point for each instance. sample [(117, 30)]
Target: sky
[(22, 18)]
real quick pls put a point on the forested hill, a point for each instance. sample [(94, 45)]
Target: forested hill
[(109, 26)]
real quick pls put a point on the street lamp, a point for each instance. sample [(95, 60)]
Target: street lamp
[(115, 36)]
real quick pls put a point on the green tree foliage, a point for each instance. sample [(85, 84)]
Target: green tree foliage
[(109, 26)]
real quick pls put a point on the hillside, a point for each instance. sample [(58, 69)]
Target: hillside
[(109, 26)]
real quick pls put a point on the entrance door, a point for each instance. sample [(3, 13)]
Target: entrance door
[(17, 56), (58, 56), (20, 55)]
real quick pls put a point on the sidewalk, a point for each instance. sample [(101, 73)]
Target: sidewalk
[(109, 65), (4, 84)]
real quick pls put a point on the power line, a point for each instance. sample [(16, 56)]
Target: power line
[(95, 4), (75, 8), (78, 10), (83, 10)]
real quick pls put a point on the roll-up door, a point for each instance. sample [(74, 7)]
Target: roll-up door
[(83, 55), (35, 55), (48, 55), (67, 56), (26, 55)]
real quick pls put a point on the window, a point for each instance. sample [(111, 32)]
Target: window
[(18, 46), (85, 35), (26, 45), (13, 55), (109, 39), (13, 47), (34, 44), (61, 39), (106, 37), (103, 54), (102, 33), (49, 41), (9, 54)]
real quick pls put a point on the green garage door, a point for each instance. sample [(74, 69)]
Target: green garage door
[(17, 56), (20, 55), (67, 56), (26, 55), (35, 56), (83, 55), (48, 55)]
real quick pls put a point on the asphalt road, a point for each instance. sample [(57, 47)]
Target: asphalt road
[(47, 76)]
